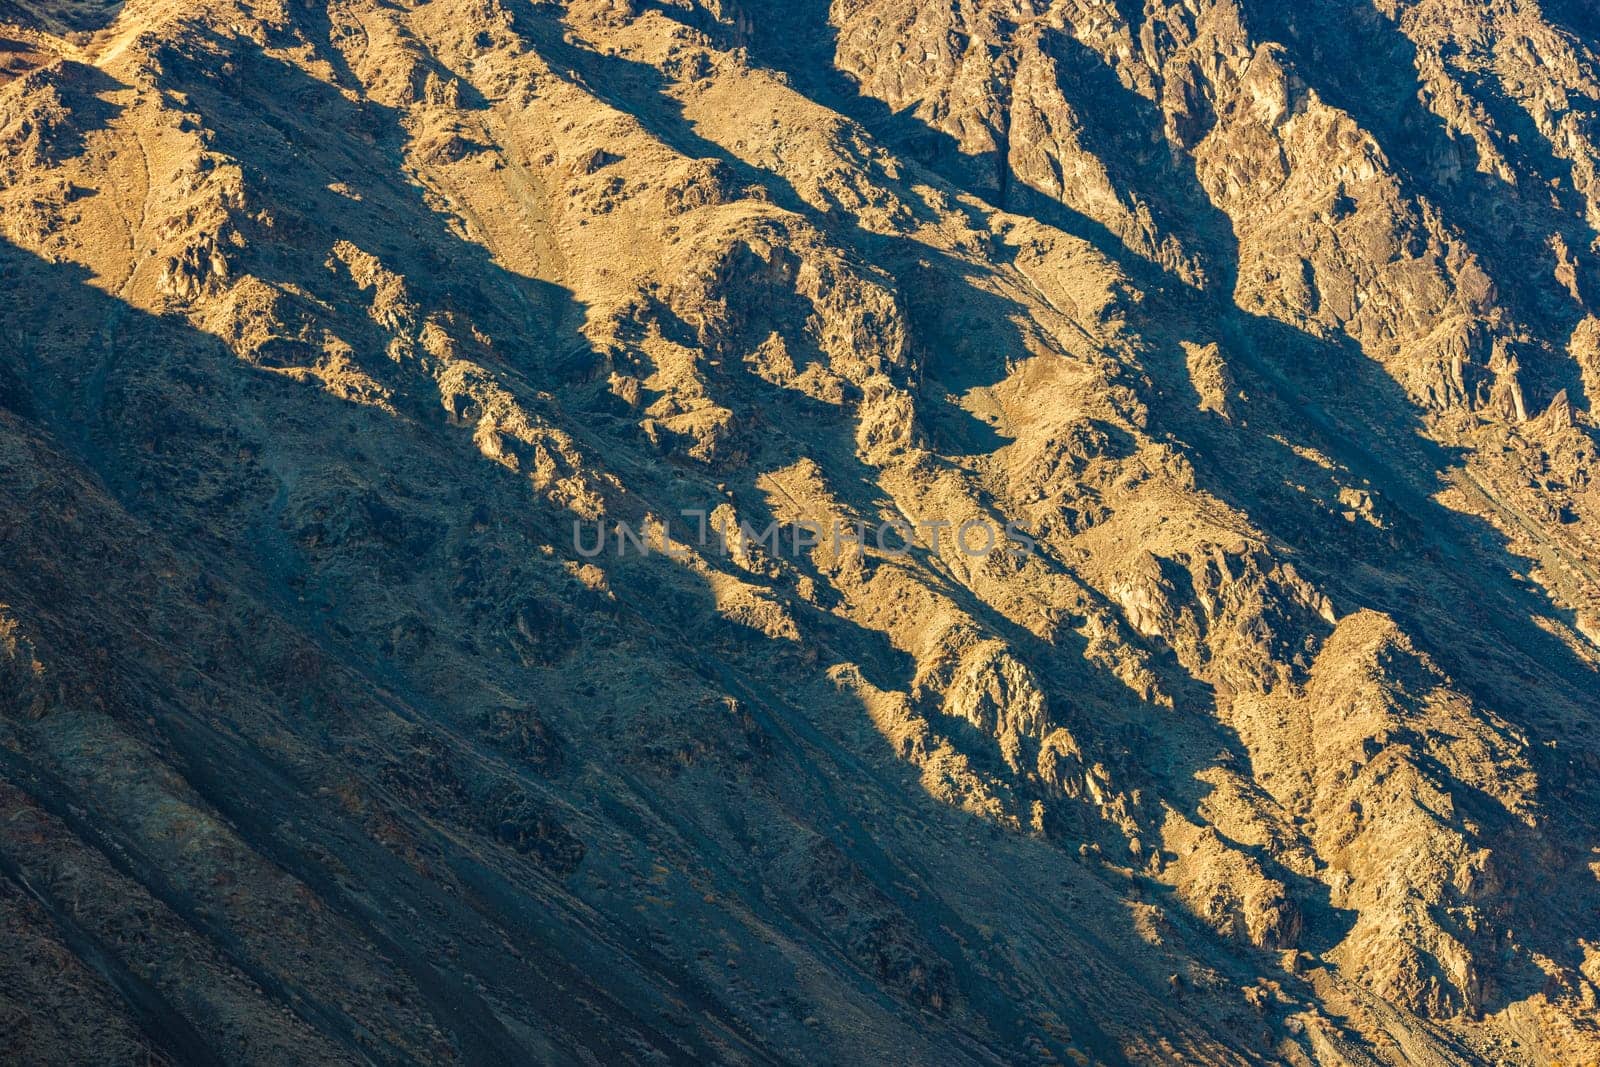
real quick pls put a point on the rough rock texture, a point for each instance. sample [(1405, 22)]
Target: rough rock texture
[(342, 721)]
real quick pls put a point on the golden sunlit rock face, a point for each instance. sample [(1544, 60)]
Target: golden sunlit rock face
[(746, 531)]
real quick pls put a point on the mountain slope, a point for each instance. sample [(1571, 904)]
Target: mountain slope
[(338, 333)]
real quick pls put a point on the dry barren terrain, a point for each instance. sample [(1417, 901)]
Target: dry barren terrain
[(331, 334)]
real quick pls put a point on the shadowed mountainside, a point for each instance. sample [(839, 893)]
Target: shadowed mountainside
[(335, 332)]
